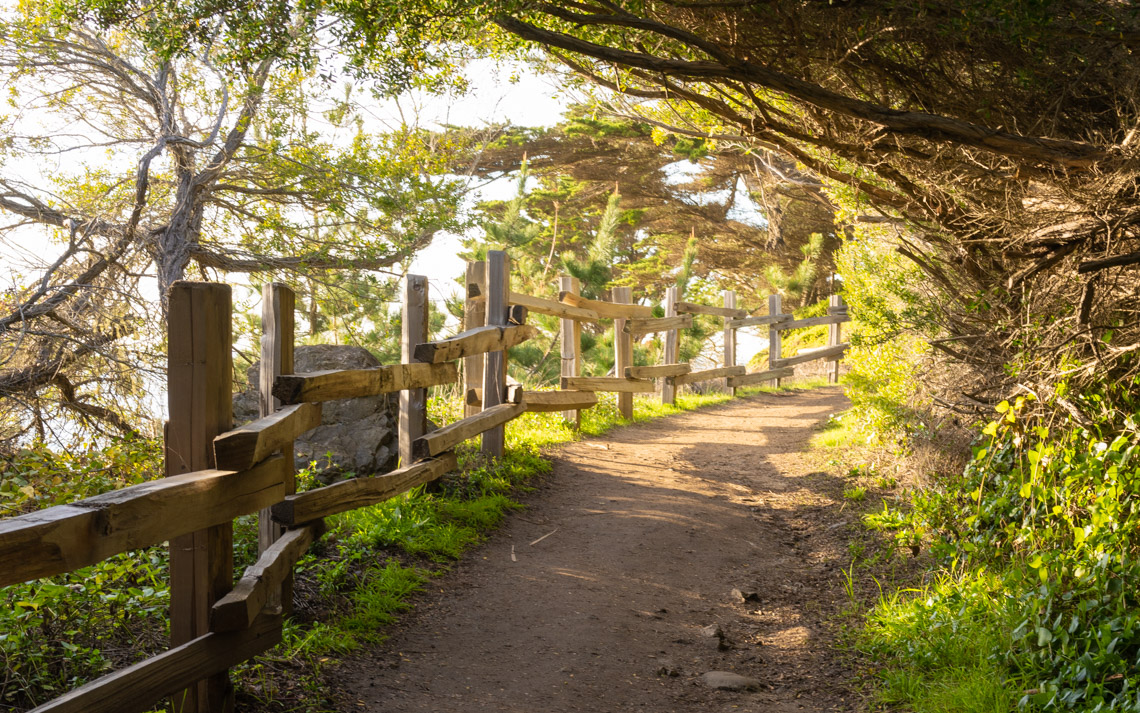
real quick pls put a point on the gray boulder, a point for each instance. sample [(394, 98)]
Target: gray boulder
[(356, 435)]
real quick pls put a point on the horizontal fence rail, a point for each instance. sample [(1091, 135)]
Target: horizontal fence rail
[(216, 473), (66, 537)]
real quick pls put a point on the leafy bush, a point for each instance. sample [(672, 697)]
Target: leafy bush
[(58, 633), (36, 476), (1054, 517), (889, 339), (882, 288), (883, 385)]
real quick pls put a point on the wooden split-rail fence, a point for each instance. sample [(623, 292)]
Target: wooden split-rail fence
[(216, 473)]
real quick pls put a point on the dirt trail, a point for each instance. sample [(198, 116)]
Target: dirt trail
[(653, 527)]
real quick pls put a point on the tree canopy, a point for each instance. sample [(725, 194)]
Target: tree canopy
[(745, 218), (145, 145), (994, 143)]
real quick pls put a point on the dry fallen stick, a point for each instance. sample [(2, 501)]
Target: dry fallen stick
[(513, 558), (544, 537)]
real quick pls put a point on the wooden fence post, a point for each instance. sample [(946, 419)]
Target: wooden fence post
[(774, 308), (835, 306), (571, 346), (729, 337), (474, 315), (414, 331), (277, 338), (672, 339), (199, 384), (495, 363), (623, 351)]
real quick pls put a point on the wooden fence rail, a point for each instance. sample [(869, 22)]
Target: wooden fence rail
[(66, 537), (216, 473)]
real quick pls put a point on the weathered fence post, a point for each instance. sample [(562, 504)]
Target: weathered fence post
[(495, 364), (668, 391), (277, 338), (774, 335), (835, 306), (571, 346), (623, 350), (474, 315), (414, 331), (199, 384), (729, 337)]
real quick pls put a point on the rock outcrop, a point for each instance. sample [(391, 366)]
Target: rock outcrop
[(357, 435)]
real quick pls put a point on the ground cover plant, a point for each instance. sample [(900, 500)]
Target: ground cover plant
[(1026, 597), (1038, 541)]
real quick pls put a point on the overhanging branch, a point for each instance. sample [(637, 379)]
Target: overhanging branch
[(1058, 152)]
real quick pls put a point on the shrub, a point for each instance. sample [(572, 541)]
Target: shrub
[(1053, 516)]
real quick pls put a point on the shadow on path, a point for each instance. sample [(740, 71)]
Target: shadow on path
[(648, 531)]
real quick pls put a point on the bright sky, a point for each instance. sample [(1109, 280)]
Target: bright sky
[(532, 100)]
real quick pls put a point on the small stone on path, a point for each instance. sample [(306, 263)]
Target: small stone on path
[(713, 630), (728, 681)]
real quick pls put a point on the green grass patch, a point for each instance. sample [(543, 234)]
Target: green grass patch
[(939, 649), (379, 598), (482, 513), (838, 432)]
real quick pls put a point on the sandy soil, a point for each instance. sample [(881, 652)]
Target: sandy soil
[(605, 594)]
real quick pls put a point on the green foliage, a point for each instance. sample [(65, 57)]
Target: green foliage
[(1051, 515), (939, 647), (687, 259), (36, 476), (513, 229), (882, 288), (883, 385), (595, 268), (795, 286), (693, 149), (58, 633)]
